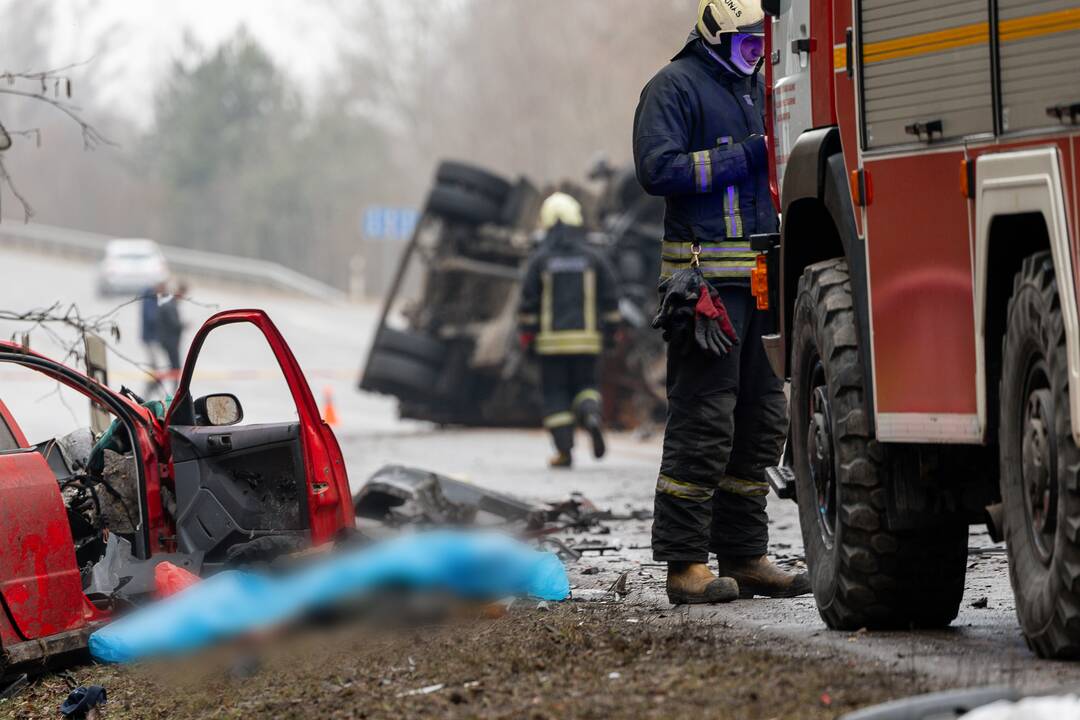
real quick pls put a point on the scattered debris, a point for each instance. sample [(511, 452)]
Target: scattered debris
[(591, 595), (981, 603), (422, 691), (14, 686), (83, 703), (399, 495)]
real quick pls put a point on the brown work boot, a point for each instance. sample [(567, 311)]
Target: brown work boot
[(694, 584), (759, 576), (562, 461)]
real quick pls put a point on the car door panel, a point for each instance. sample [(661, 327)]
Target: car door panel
[(247, 465), (234, 483)]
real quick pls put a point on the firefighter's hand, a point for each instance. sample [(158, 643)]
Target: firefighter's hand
[(756, 148), (713, 330)]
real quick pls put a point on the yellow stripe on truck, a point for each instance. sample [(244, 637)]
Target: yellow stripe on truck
[(964, 36)]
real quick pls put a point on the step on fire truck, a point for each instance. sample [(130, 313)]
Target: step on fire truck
[(925, 297)]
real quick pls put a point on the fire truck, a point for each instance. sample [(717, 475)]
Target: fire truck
[(924, 293)]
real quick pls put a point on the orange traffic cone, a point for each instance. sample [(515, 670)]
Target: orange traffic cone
[(329, 413)]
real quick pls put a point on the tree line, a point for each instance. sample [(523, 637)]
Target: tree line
[(238, 160)]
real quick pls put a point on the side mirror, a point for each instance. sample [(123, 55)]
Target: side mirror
[(776, 8), (218, 410)]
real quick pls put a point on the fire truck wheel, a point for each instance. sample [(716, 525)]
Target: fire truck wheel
[(1040, 465), (863, 574)]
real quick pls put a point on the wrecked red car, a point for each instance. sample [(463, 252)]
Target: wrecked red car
[(84, 524)]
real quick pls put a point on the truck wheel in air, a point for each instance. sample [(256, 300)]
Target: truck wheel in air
[(463, 205), (1040, 465), (474, 179), (468, 194), (863, 573)]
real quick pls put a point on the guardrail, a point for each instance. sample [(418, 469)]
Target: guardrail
[(91, 246)]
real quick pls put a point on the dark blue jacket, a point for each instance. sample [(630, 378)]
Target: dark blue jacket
[(692, 116), (148, 315)]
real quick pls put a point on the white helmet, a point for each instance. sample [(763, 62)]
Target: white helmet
[(560, 208), (717, 17)]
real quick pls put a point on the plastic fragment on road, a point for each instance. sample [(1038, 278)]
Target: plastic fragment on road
[(170, 579), (83, 702), (1035, 708), (481, 566)]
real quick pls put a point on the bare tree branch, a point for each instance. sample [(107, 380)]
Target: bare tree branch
[(91, 136), (5, 179)]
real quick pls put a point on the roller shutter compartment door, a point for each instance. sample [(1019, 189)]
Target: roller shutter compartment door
[(1040, 60), (925, 62)]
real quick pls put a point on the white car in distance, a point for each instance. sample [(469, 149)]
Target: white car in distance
[(130, 267)]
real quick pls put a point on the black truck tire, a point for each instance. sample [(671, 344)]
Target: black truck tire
[(1040, 465), (401, 376), (412, 345), (475, 179), (463, 205), (863, 573)]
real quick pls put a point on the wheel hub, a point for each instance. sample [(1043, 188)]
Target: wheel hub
[(1039, 468), (819, 447)]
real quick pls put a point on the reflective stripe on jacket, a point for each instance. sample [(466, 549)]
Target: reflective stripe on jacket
[(568, 298)]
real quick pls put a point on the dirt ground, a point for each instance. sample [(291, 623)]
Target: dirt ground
[(573, 660)]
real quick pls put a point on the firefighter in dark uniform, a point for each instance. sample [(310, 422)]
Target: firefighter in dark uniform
[(699, 142), (568, 308)]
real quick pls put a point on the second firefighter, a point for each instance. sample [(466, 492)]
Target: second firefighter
[(569, 308)]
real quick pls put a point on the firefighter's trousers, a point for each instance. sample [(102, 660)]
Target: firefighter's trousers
[(568, 383), (727, 420)]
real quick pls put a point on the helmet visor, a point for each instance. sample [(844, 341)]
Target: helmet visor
[(747, 51)]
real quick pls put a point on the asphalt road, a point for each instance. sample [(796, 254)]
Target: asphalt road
[(984, 646)]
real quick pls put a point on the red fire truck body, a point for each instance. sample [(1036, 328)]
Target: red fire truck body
[(926, 303)]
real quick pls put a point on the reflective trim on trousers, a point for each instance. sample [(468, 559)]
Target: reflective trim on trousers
[(746, 488), (561, 419), (585, 396), (684, 491)]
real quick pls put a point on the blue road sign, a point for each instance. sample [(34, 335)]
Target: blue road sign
[(389, 223)]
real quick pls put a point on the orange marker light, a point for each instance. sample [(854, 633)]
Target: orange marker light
[(862, 188), (759, 282)]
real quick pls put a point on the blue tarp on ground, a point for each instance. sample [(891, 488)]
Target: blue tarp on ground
[(232, 603)]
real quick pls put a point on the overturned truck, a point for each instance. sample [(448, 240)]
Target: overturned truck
[(446, 345)]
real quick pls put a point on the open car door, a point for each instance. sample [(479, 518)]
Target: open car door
[(237, 483)]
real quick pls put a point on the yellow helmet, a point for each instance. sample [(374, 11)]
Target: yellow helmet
[(717, 17), (560, 207)]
